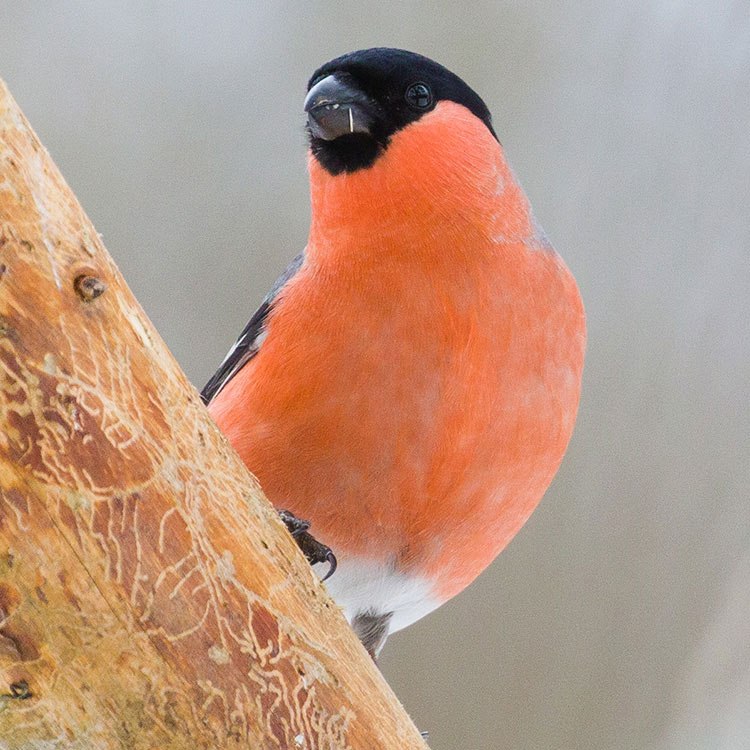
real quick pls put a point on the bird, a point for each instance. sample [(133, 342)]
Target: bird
[(411, 381)]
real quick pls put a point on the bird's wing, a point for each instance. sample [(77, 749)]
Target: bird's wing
[(251, 338)]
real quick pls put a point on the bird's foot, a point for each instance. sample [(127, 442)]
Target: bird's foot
[(312, 549)]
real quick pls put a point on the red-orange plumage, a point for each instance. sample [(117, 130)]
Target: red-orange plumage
[(420, 378)]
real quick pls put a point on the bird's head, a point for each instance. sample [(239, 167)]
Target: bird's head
[(358, 102), (401, 150)]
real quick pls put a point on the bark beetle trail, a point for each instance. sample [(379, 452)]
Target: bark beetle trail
[(149, 596)]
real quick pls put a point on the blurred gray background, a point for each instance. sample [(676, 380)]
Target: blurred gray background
[(620, 616)]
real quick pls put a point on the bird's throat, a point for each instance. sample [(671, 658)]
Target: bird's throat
[(441, 178)]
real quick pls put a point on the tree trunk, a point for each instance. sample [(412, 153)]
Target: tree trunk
[(149, 596)]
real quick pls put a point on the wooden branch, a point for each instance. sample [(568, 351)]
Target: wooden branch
[(149, 596)]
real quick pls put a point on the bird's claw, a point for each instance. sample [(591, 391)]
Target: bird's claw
[(332, 564), (312, 549), (295, 526)]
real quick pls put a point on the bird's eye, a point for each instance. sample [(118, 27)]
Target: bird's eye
[(419, 95)]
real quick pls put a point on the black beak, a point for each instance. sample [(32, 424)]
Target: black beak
[(335, 107)]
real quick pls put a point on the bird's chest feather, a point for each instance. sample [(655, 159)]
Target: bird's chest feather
[(443, 403)]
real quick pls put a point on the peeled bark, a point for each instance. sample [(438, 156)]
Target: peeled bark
[(149, 595)]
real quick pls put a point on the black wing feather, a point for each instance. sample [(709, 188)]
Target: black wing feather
[(248, 343)]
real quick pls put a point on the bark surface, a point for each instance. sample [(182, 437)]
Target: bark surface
[(149, 596)]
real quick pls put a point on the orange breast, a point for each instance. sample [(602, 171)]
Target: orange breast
[(420, 378)]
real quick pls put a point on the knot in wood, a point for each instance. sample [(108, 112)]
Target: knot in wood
[(20, 690), (88, 287)]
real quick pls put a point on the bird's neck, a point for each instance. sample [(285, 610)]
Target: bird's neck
[(442, 178)]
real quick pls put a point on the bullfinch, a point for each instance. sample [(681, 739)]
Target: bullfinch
[(411, 381)]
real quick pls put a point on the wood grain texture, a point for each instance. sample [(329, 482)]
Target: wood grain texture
[(149, 596)]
